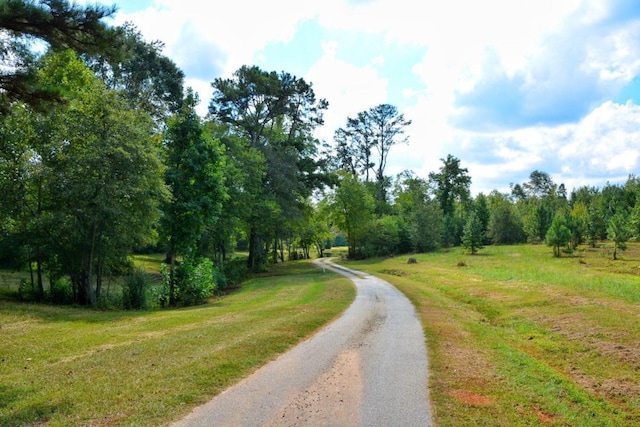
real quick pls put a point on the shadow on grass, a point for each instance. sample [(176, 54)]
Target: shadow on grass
[(36, 413)]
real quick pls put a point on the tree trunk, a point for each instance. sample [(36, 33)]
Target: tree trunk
[(82, 281), (171, 262), (99, 276), (255, 259), (39, 271), (91, 293), (275, 250), (281, 250), (33, 283)]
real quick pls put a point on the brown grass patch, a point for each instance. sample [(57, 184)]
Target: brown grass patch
[(543, 417), (471, 398)]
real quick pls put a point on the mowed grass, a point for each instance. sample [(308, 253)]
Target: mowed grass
[(79, 367), (516, 337)]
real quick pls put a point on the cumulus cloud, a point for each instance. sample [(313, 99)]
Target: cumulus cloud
[(348, 89), (600, 148), (507, 86), (566, 76)]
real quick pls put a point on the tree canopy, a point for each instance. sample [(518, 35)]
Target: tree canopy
[(60, 25)]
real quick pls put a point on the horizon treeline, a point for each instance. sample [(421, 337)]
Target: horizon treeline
[(102, 155)]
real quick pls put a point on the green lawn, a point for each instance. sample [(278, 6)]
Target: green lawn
[(76, 367), (516, 337)]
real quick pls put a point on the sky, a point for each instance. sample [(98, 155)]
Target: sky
[(506, 86)]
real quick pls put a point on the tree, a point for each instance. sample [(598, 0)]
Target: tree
[(539, 185), (194, 175), (352, 206), (105, 184), (481, 208), (452, 184), (505, 224), (579, 223), (354, 146), (384, 237), (618, 231), (150, 81), (59, 24), (419, 211), (276, 115), (472, 235), (558, 234), (379, 129), (20, 172), (388, 127)]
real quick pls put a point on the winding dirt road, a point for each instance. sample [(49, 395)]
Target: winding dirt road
[(367, 368)]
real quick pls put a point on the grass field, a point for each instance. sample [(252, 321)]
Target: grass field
[(515, 337), (78, 367), (518, 338)]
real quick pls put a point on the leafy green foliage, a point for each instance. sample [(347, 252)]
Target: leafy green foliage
[(149, 80), (136, 291), (420, 213), (364, 145), (558, 234), (505, 223), (618, 231), (195, 178), (270, 117), (91, 185), (188, 283), (451, 185), (473, 234), (352, 205)]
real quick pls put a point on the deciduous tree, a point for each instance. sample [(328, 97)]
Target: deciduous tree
[(452, 186), (194, 176), (353, 209)]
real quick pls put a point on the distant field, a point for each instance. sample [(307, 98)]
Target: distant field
[(518, 338), (63, 366)]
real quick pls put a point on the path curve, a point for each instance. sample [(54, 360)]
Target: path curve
[(368, 368)]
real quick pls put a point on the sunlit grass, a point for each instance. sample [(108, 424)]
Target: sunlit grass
[(516, 337), (69, 366)]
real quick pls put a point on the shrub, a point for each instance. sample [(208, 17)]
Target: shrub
[(135, 292), (193, 282), (61, 292), (235, 271)]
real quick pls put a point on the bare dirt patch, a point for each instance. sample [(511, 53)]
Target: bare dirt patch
[(543, 417), (333, 398)]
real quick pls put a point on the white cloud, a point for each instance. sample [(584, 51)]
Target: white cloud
[(349, 89), (604, 146), (606, 141), (544, 71)]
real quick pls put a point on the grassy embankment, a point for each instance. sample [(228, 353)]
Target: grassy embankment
[(516, 337), (75, 367)]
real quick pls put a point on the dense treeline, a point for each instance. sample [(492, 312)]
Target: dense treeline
[(102, 154)]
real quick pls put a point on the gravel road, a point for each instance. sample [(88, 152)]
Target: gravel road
[(367, 368)]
